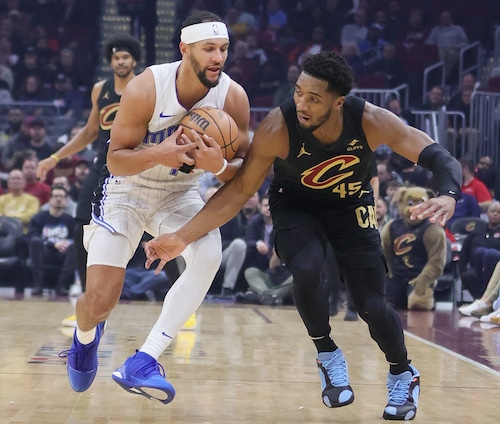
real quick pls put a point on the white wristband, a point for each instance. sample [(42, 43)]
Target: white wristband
[(224, 166)]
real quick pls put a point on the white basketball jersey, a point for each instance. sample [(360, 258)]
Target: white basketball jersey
[(167, 114)]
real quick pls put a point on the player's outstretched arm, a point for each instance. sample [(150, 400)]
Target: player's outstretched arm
[(383, 127), (270, 141), (84, 137)]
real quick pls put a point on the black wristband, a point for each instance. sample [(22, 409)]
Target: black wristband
[(186, 168), (446, 169)]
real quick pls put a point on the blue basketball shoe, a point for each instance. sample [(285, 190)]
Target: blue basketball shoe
[(143, 375), (335, 388), (82, 360), (404, 390)]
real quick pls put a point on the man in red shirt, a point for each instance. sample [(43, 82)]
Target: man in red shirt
[(473, 186), (33, 185)]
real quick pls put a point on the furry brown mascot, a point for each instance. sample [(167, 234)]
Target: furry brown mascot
[(415, 252)]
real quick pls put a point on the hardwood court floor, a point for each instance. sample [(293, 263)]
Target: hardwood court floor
[(242, 364)]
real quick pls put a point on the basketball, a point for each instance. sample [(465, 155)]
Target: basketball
[(215, 123)]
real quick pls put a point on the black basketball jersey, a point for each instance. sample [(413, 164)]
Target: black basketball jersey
[(410, 254), (326, 174), (107, 103)]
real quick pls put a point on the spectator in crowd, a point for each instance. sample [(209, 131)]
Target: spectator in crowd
[(396, 22), (350, 52), (382, 212), (449, 38), (87, 153), (6, 78), (267, 81), (415, 32), (389, 66), (62, 181), (480, 253), (385, 174), (16, 203), (357, 31), (11, 58), (486, 171), (314, 44), (254, 51), (18, 142), (82, 168), (394, 106), (388, 194), (32, 185), (277, 17), (371, 46), (31, 90), (258, 237), (240, 22), (249, 67), (274, 286), (380, 22), (435, 99), (27, 66), (39, 141), (330, 17), (470, 134), (473, 186), (15, 118), (466, 206), (68, 100), (285, 90), (50, 240), (287, 40), (66, 64), (488, 305), (468, 82)]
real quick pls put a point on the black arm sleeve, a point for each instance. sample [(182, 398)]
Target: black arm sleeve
[(446, 169)]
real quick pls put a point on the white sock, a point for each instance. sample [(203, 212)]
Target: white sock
[(186, 295), (85, 337)]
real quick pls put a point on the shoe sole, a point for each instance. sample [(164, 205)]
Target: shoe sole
[(140, 390)]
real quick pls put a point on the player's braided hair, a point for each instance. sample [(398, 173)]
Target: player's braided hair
[(332, 68)]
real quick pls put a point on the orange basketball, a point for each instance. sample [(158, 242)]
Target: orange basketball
[(217, 124)]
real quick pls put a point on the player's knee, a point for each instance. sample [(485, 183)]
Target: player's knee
[(208, 250), (373, 308)]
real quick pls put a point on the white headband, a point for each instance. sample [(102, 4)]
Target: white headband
[(203, 31)]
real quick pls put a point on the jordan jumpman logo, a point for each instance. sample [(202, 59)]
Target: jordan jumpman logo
[(303, 151)]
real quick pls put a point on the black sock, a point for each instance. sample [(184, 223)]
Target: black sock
[(399, 368), (325, 344)]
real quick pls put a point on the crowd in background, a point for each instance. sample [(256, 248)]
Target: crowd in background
[(49, 52)]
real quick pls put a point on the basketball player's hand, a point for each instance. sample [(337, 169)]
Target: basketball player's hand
[(165, 248), (437, 209), (174, 152), (44, 166), (208, 154)]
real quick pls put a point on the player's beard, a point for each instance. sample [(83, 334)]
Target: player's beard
[(320, 121), (200, 73), (124, 73)]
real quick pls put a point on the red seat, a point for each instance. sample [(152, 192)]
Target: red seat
[(419, 57)]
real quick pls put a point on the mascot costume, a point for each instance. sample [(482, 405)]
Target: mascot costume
[(415, 252)]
